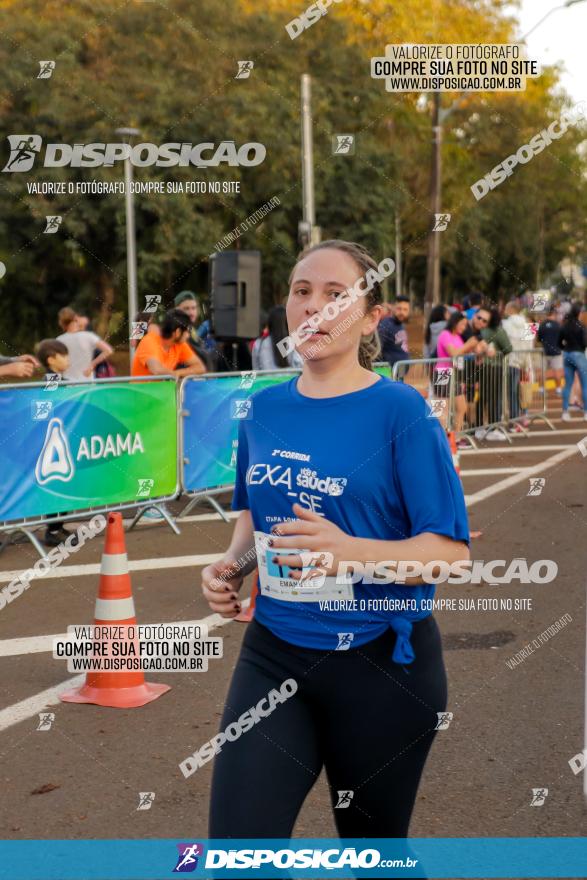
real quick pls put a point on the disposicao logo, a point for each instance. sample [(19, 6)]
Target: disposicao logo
[(187, 860), (24, 149)]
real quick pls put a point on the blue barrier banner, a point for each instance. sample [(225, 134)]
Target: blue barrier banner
[(515, 857), (210, 429), (79, 446), (214, 407)]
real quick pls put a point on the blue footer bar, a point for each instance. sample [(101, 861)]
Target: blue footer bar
[(511, 857)]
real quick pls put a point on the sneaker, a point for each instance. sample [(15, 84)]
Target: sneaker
[(462, 444), (480, 434), (54, 537), (152, 513), (566, 417), (494, 435)]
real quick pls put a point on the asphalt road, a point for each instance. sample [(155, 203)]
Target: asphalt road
[(513, 729)]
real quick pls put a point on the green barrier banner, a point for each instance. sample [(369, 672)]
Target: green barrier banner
[(73, 447)]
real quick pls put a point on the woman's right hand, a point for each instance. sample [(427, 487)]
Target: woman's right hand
[(221, 582)]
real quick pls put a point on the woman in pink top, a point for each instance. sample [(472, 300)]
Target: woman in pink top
[(450, 345)]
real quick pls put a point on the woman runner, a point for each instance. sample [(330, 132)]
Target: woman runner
[(338, 464)]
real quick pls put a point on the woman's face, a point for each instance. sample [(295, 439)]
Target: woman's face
[(460, 327), (318, 280), (191, 308)]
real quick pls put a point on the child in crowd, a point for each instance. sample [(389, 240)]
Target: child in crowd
[(54, 357)]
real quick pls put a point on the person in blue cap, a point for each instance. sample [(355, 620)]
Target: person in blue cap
[(345, 466)]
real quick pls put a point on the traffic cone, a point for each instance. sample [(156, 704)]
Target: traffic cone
[(455, 451), (115, 607), (247, 616)]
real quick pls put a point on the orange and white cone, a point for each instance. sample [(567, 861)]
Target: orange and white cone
[(247, 616), (115, 607), (455, 451)]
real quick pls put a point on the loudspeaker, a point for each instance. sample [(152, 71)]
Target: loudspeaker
[(235, 294)]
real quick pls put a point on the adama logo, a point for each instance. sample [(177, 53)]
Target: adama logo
[(56, 461)]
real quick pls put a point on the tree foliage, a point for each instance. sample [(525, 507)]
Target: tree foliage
[(169, 70)]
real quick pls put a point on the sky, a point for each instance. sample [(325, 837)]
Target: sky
[(562, 37)]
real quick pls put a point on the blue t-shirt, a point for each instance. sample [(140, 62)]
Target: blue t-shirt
[(377, 464)]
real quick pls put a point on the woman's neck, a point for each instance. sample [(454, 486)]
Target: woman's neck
[(325, 379)]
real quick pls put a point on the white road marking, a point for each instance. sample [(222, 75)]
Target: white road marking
[(488, 472), (508, 450), (37, 644), (471, 500), (50, 697), (63, 571), (557, 431)]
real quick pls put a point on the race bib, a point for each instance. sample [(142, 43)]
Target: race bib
[(274, 580)]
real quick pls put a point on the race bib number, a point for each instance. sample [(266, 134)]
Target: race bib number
[(274, 580)]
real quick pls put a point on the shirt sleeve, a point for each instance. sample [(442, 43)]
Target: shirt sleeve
[(146, 349), (428, 484), (240, 498), (186, 353)]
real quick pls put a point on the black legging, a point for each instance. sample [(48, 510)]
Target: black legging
[(367, 720)]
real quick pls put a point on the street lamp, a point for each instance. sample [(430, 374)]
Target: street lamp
[(131, 251), (549, 13)]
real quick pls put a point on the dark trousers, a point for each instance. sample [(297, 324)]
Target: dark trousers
[(368, 721)]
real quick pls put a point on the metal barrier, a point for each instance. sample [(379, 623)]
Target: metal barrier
[(40, 407), (472, 394), (525, 387)]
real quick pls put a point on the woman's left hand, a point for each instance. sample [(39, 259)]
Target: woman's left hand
[(327, 544)]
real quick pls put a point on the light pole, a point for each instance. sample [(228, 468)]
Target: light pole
[(308, 231), (131, 251)]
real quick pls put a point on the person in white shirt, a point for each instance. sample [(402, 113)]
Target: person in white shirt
[(265, 353), (80, 345), (520, 334)]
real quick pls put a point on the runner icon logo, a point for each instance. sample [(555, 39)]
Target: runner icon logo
[(242, 409), (145, 486), (314, 568), (441, 222), (437, 407), (444, 719), (53, 223), (46, 719), (41, 409), (343, 145), (23, 151), (138, 329), (344, 800), (539, 795), (152, 301), (46, 69), (344, 641), (187, 860), (536, 486), (244, 69), (146, 799)]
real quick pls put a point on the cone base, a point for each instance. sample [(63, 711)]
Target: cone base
[(116, 698)]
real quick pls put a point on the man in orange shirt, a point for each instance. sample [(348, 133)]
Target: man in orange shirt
[(158, 354)]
